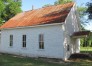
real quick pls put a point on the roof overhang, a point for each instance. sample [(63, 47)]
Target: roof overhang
[(81, 34), (42, 25)]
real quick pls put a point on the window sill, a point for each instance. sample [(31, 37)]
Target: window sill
[(41, 49), (10, 47), (24, 48)]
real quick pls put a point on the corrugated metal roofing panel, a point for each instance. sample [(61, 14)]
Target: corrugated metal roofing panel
[(46, 15)]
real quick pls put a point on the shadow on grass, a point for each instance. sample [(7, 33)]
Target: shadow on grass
[(13, 60), (86, 52)]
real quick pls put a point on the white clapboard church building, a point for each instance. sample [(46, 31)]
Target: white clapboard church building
[(51, 32)]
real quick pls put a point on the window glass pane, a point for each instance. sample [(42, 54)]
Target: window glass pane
[(11, 40), (41, 41), (24, 40), (40, 37), (42, 45), (68, 47), (24, 37)]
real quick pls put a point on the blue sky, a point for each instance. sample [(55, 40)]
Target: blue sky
[(27, 5)]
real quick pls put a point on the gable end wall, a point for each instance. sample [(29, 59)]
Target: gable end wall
[(71, 26)]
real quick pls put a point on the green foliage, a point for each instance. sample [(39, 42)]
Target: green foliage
[(81, 11), (59, 2), (8, 9), (62, 1), (47, 5), (2, 6), (87, 42), (89, 9)]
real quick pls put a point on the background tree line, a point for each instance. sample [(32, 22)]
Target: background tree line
[(8, 9)]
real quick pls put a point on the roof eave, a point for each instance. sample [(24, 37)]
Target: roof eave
[(33, 26)]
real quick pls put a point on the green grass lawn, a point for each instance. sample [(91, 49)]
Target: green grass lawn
[(11, 60), (86, 49)]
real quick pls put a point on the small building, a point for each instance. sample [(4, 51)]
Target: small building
[(45, 32)]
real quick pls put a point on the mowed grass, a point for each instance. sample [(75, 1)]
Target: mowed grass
[(86, 50), (12, 60)]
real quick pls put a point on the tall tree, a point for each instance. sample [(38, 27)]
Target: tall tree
[(82, 14), (47, 5), (62, 1), (8, 9), (2, 6), (59, 2), (89, 9)]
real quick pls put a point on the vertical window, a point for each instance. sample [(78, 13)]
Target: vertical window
[(11, 40), (41, 41), (24, 40), (68, 48)]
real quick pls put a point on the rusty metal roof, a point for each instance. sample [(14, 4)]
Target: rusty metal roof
[(46, 15)]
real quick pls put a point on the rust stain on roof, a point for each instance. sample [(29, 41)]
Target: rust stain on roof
[(46, 15)]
